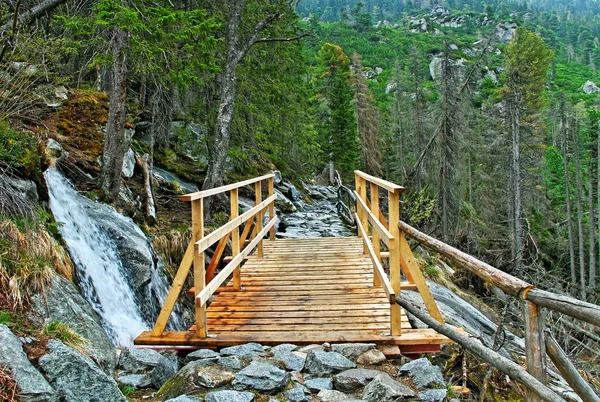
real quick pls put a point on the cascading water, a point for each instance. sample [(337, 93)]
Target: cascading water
[(101, 275)]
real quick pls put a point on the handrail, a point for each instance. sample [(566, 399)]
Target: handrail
[(217, 190), (387, 237), (385, 282), (388, 185)]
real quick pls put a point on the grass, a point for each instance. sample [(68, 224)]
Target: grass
[(64, 332), (8, 387), (5, 317)]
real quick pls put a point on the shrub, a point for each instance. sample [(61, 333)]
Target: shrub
[(19, 150)]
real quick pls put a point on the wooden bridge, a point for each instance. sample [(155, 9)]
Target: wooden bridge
[(309, 290)]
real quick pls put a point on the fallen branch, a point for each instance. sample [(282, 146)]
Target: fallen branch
[(35, 12), (150, 205)]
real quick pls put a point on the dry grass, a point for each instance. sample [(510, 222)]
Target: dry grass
[(28, 260), (171, 247), (8, 387)]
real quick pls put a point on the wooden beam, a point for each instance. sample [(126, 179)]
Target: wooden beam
[(376, 239), (246, 230), (385, 234), (199, 268), (394, 218), (361, 199), (389, 186), (534, 345), (203, 295), (570, 306), (217, 190), (377, 268), (174, 291), (235, 236), (271, 191), (569, 371), (259, 216), (214, 261)]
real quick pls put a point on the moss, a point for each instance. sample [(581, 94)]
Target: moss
[(19, 150), (181, 165)]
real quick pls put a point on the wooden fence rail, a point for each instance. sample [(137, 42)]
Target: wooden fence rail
[(534, 299)]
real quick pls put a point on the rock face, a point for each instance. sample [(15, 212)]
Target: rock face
[(321, 363), (384, 388), (353, 379), (262, 377), (195, 377), (32, 385), (61, 301), (590, 87), (75, 376), (423, 374)]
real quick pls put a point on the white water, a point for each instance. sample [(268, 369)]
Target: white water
[(99, 268)]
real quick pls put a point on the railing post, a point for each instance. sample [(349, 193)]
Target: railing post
[(376, 239), (394, 246), (534, 345), (199, 268), (235, 236), (259, 216), (361, 189), (271, 182)]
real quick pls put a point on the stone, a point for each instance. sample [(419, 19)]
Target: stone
[(298, 394), (32, 384), (319, 384), (590, 87), (371, 357), (265, 378), (352, 350), (384, 388), (321, 363), (76, 377), (201, 354), (284, 347), (135, 380), (229, 396), (278, 178), (244, 351), (185, 398), (128, 164), (230, 362), (194, 377), (423, 374), (61, 301), (293, 361), (433, 395), (353, 379), (332, 396), (158, 367), (55, 151)]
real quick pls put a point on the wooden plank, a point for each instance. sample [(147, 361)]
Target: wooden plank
[(394, 217), (383, 279), (287, 287), (297, 321), (259, 216), (376, 240), (175, 290), (303, 327), (534, 345), (214, 261), (298, 314), (270, 192), (235, 236), (316, 307), (206, 293), (389, 186), (210, 239), (217, 190), (246, 230), (409, 264), (385, 234), (199, 267)]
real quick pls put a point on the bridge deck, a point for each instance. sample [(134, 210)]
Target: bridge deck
[(309, 290)]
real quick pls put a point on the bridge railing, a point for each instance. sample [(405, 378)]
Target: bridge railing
[(205, 282), (369, 216), (538, 341)]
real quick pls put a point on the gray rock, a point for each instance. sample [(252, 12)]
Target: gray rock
[(332, 396), (278, 178), (318, 384), (284, 347), (352, 350), (229, 396), (32, 385), (433, 395), (298, 394), (185, 398), (201, 354), (135, 380), (244, 351), (164, 176), (61, 301), (194, 377), (128, 164), (263, 377), (371, 357), (321, 363), (76, 377), (230, 362), (293, 361), (384, 388), (55, 151), (353, 379), (140, 361), (590, 87), (423, 374)]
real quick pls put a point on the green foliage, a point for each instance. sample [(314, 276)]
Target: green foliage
[(127, 390), (64, 332), (19, 150), (5, 317)]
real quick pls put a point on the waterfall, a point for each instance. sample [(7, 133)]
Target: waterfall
[(102, 278)]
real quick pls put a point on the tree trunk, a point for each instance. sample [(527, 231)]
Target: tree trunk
[(565, 146), (580, 232), (115, 143), (149, 205), (515, 180), (592, 223)]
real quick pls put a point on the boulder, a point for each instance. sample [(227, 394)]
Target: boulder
[(61, 301), (284, 347), (128, 164), (590, 87), (371, 358), (185, 398), (54, 151), (76, 377), (135, 380), (319, 384), (352, 350), (194, 377), (354, 379), (332, 396), (244, 351), (321, 363), (147, 361), (230, 362), (265, 378), (433, 395), (229, 396), (32, 385), (293, 361), (201, 354), (384, 388), (298, 394), (423, 374)]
